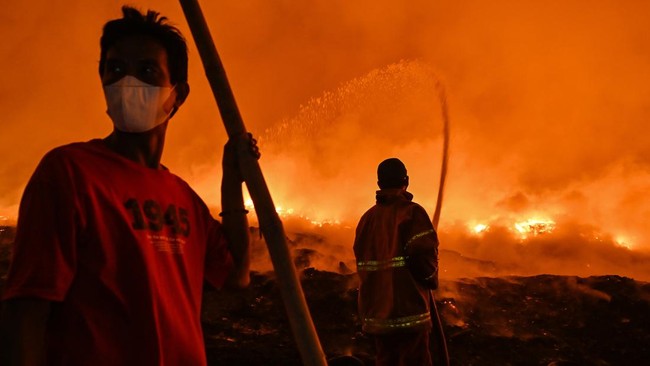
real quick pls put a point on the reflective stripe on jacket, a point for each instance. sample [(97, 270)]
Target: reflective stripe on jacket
[(396, 249)]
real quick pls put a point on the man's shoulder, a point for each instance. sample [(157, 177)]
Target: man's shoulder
[(73, 148), (370, 211), (402, 205), (416, 206), (63, 155), (418, 209), (412, 211), (367, 216)]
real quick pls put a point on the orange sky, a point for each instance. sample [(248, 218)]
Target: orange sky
[(548, 103)]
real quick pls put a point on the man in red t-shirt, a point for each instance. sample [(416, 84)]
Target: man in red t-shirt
[(112, 249)]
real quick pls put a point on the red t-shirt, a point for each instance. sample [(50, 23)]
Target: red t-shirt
[(122, 250)]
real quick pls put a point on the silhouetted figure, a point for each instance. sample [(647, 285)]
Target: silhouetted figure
[(396, 248), (112, 249)]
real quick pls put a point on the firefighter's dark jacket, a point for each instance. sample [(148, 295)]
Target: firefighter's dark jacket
[(396, 248)]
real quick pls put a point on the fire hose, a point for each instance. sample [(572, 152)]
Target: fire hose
[(293, 297), (439, 342), (445, 154)]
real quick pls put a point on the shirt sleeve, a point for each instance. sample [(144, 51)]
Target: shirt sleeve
[(44, 253), (421, 247), (218, 260)]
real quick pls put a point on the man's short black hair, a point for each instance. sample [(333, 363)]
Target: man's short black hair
[(133, 22), (391, 173)]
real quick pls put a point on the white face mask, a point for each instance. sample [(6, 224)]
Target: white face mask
[(135, 106)]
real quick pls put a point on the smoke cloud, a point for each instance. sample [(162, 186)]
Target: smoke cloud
[(548, 103)]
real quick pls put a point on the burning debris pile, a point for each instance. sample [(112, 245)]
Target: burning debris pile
[(508, 320)]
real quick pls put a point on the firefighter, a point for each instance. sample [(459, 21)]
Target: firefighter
[(396, 249)]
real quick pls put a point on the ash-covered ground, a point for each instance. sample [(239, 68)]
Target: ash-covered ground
[(537, 320), (532, 320)]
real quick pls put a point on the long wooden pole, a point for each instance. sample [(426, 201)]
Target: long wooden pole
[(270, 224)]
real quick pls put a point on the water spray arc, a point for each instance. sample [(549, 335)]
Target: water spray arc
[(270, 223)]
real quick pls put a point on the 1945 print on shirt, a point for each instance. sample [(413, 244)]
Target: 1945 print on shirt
[(151, 216)]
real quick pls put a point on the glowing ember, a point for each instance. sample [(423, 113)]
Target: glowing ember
[(323, 222), (283, 212), (480, 228), (624, 242), (291, 213), (535, 227)]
